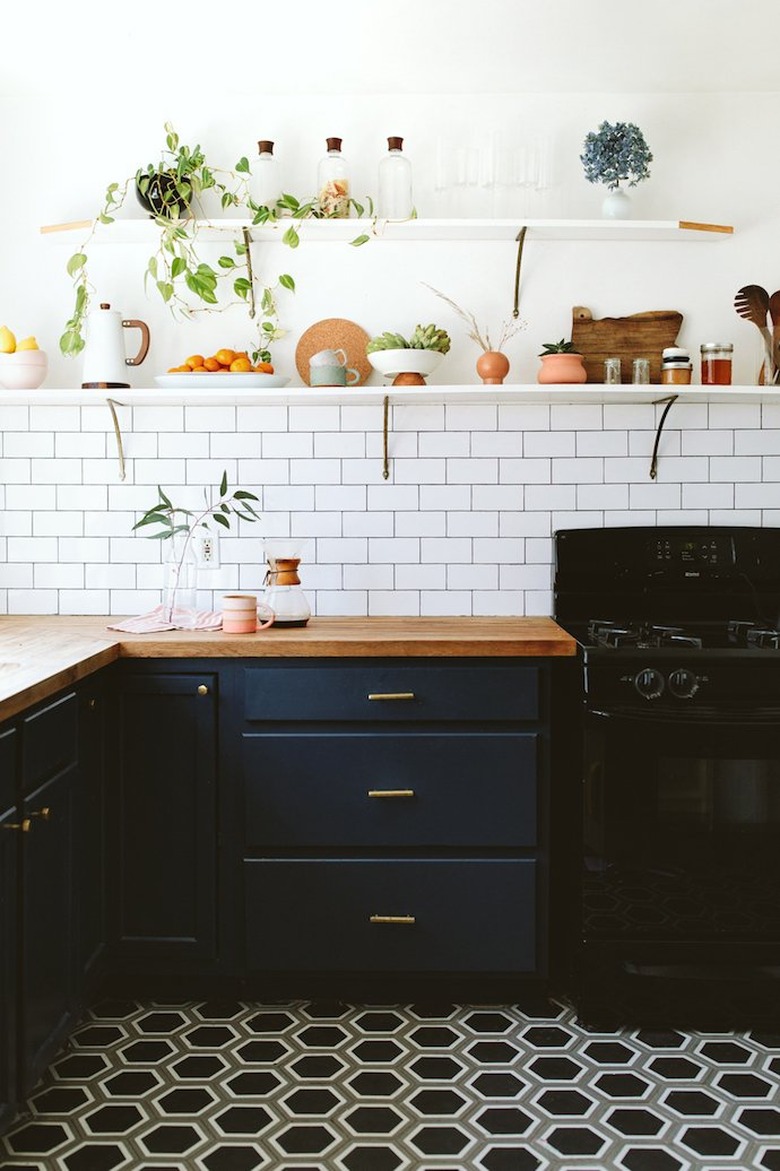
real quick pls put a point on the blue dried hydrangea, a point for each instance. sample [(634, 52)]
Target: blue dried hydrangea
[(615, 153)]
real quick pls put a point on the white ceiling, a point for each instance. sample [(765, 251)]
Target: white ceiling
[(405, 46)]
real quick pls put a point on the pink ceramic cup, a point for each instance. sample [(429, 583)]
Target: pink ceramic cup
[(239, 613)]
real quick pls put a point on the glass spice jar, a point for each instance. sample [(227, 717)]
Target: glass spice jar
[(676, 367), (716, 363)]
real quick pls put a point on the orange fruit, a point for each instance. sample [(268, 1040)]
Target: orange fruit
[(240, 365), (200, 369), (179, 370), (225, 357), (193, 361), (264, 368), (238, 354), (212, 364)]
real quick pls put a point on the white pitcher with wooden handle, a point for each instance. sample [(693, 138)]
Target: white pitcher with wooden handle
[(105, 360)]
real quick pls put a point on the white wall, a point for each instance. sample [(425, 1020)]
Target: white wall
[(92, 111)]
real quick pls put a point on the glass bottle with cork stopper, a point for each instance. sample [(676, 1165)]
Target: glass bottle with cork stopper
[(394, 201), (333, 182), (264, 185)]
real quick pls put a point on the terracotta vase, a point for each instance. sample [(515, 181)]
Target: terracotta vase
[(492, 367), (558, 368)]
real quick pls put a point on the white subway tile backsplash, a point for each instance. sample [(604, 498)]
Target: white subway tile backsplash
[(544, 443), (463, 525)]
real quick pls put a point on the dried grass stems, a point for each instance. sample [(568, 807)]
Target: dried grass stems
[(482, 337)]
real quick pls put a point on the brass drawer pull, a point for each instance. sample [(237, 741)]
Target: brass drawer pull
[(44, 813), (391, 695), (403, 919), (391, 792), (23, 825)]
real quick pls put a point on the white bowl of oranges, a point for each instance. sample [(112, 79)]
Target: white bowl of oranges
[(23, 365), (224, 367)]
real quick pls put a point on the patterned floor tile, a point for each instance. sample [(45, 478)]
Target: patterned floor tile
[(326, 1086)]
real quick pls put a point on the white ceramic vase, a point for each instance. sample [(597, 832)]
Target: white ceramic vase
[(616, 205)]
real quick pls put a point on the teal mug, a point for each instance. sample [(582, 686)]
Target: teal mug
[(336, 375)]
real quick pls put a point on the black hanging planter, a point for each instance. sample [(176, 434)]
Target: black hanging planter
[(159, 194)]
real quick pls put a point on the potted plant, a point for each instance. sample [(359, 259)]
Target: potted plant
[(171, 190), (616, 153), (410, 361), (492, 364), (179, 525), (561, 363)]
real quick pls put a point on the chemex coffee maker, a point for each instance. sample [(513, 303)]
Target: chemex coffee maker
[(283, 591)]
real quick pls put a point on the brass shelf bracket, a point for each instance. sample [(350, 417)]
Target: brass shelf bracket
[(385, 422), (520, 238), (112, 405), (654, 459)]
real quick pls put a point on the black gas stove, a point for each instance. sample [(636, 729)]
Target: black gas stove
[(678, 780)]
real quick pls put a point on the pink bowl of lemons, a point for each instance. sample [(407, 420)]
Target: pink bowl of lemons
[(23, 365)]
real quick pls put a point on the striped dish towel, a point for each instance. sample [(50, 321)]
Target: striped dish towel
[(181, 620)]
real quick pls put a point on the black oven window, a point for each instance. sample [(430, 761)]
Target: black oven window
[(710, 796)]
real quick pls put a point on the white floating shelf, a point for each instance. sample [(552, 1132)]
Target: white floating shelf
[(365, 395), (327, 231)]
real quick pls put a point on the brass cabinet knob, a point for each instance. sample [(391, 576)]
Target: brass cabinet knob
[(44, 813), (23, 825), (203, 689)]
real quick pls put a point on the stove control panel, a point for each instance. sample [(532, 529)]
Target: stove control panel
[(685, 552), (680, 683)]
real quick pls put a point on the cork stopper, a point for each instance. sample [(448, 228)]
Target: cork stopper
[(264, 147), (333, 143), (395, 143)]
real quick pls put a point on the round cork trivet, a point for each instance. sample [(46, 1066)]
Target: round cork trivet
[(334, 333)]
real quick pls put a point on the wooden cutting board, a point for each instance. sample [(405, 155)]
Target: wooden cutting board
[(641, 335)]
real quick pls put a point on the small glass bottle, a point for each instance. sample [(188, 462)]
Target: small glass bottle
[(264, 186), (640, 371), (716, 363), (612, 372), (394, 201), (333, 182), (676, 367)]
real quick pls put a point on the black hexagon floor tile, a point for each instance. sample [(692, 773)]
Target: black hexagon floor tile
[(302, 1086)]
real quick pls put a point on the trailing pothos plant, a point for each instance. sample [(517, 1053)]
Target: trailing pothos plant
[(172, 189)]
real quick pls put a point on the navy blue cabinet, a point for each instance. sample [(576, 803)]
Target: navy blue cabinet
[(163, 819), (10, 829), (394, 818)]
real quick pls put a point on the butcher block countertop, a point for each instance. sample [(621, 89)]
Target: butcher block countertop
[(39, 655)]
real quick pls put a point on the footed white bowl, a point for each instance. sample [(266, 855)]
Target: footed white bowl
[(23, 370), (391, 362)]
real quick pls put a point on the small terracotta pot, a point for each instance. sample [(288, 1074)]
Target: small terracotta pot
[(562, 368), (492, 367)]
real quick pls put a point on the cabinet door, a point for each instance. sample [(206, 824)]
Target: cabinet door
[(163, 825), (8, 898), (90, 829), (47, 922)]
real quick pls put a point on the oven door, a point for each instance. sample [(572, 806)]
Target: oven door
[(681, 824)]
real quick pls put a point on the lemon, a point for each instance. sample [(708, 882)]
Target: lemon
[(7, 340), (27, 343)]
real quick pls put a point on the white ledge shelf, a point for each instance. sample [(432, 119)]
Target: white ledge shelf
[(366, 395), (137, 230)]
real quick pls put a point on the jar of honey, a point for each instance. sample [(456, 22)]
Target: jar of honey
[(716, 363), (676, 367)]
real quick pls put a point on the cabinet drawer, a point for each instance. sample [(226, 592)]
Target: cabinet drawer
[(8, 742), (468, 915), (49, 742), (366, 691), (384, 789)]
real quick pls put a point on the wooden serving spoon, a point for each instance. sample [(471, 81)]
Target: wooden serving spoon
[(774, 313), (752, 303)]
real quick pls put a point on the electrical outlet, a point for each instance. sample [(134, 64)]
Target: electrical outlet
[(208, 551)]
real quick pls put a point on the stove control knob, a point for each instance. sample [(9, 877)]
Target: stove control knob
[(683, 683), (649, 683)]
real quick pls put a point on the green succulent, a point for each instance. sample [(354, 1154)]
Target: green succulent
[(561, 347), (428, 337)]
